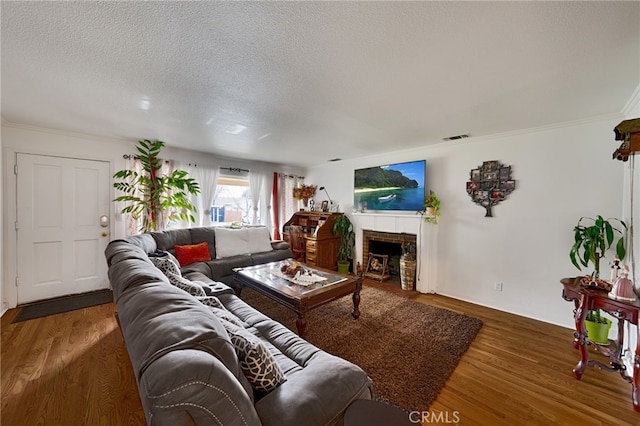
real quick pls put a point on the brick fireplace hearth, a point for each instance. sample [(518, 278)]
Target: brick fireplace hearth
[(381, 242)]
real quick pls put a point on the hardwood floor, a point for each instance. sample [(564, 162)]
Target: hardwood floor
[(73, 369)]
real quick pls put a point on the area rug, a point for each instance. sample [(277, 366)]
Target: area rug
[(409, 349), (63, 304)]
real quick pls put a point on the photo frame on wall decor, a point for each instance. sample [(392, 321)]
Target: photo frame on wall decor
[(489, 184)]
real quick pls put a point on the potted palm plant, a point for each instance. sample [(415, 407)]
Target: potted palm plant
[(592, 239), (153, 197), (343, 227)]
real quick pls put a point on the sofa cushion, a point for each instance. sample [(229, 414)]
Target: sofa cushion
[(211, 288), (272, 256), (231, 242), (167, 240), (192, 253), (158, 318), (207, 235), (259, 239), (198, 267), (171, 269), (222, 269), (257, 363)]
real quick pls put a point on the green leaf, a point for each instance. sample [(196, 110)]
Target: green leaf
[(620, 250)]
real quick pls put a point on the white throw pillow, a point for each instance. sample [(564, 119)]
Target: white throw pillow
[(259, 239), (234, 242), (231, 242)]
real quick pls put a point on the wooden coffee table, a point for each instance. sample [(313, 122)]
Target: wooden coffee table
[(267, 280)]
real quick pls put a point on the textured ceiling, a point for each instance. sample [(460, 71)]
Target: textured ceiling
[(314, 81)]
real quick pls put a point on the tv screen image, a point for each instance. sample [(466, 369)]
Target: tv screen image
[(397, 186)]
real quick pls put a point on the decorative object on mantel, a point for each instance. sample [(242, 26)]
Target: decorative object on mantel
[(489, 184), (628, 132), (304, 193), (431, 209)]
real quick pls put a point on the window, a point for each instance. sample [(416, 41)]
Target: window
[(232, 202)]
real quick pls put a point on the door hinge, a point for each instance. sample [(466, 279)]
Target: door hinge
[(15, 169), (17, 281), (17, 226)]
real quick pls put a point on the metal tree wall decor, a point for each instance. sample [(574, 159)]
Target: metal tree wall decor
[(489, 184)]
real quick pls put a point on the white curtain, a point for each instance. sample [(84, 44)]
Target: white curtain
[(256, 182), (266, 213), (207, 178), (132, 224), (287, 204)]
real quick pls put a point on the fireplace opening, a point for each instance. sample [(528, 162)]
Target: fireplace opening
[(393, 251), (389, 245)]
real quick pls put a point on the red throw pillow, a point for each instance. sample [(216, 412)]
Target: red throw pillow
[(191, 254)]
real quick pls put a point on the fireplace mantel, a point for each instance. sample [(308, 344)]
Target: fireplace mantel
[(408, 223)]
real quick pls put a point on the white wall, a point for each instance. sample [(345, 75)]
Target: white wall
[(562, 173), (2, 305), (16, 138), (632, 174)]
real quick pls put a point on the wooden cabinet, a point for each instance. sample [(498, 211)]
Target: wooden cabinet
[(321, 244)]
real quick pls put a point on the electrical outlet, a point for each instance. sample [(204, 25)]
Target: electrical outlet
[(498, 286)]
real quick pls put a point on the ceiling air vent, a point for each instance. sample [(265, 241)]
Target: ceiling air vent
[(455, 138)]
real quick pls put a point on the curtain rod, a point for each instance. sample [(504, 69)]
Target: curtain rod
[(234, 169), (292, 176), (135, 157)]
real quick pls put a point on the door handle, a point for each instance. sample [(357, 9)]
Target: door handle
[(104, 221), (104, 234)]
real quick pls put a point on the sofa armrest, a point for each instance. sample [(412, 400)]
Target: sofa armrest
[(317, 395), (203, 392), (279, 245)]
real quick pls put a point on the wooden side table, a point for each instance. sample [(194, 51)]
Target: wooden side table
[(586, 299)]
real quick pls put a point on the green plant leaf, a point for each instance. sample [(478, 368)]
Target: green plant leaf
[(151, 196)]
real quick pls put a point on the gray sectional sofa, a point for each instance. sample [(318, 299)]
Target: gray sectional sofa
[(187, 367)]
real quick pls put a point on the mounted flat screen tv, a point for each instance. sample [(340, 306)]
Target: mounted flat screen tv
[(392, 187)]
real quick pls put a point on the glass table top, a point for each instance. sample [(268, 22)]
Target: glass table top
[(291, 275)]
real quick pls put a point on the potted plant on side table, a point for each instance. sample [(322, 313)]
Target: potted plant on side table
[(343, 227), (592, 239)]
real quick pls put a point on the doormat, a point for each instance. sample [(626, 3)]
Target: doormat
[(63, 304)]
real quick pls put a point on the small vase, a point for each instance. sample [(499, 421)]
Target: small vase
[(305, 202)]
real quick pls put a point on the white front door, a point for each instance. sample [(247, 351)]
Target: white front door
[(63, 226)]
